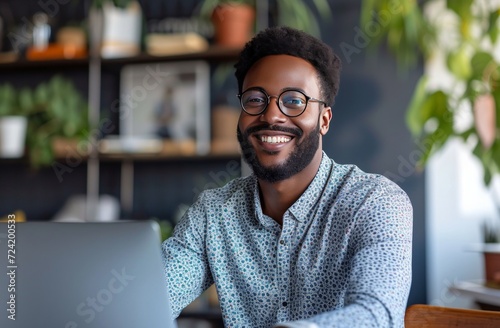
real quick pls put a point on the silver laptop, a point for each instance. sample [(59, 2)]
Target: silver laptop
[(85, 275)]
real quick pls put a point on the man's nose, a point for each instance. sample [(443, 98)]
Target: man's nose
[(273, 114)]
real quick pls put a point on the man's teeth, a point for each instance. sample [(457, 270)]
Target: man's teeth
[(274, 139)]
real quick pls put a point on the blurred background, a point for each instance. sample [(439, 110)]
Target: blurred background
[(127, 110)]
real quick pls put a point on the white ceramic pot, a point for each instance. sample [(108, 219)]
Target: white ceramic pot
[(122, 30), (12, 136)]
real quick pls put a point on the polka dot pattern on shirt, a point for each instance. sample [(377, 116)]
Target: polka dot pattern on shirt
[(341, 259)]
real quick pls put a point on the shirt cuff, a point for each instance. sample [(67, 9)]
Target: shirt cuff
[(296, 324)]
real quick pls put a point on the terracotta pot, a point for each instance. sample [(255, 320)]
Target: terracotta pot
[(233, 24), (492, 267)]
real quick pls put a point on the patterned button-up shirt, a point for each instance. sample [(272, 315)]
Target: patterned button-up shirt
[(341, 259)]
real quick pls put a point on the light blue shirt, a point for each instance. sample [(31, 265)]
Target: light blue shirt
[(341, 259)]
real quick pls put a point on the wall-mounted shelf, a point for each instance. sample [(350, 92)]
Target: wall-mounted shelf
[(24, 64), (212, 54), (152, 157), (102, 76)]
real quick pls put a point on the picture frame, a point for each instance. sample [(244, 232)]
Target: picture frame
[(166, 101)]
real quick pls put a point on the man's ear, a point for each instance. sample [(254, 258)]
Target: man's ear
[(325, 118)]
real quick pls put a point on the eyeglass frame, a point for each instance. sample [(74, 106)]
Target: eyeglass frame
[(278, 102)]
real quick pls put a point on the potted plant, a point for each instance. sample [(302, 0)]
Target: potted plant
[(39, 118), (461, 37), (13, 123), (238, 17), (116, 25), (56, 111), (233, 21)]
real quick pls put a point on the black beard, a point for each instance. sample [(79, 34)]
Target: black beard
[(300, 157)]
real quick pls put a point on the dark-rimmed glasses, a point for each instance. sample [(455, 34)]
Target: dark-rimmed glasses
[(291, 102)]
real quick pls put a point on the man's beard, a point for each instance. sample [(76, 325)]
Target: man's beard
[(300, 157)]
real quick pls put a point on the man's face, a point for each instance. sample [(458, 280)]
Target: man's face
[(277, 146)]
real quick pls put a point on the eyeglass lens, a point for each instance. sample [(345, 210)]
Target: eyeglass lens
[(290, 102)]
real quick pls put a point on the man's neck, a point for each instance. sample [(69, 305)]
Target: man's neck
[(277, 197)]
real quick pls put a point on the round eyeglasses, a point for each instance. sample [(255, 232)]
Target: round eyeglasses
[(291, 102)]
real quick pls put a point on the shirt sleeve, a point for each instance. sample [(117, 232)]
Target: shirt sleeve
[(185, 259), (380, 279), (297, 324)]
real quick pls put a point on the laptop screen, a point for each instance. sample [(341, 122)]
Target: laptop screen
[(88, 275)]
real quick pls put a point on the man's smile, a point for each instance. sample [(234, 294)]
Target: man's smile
[(275, 139), (274, 136)]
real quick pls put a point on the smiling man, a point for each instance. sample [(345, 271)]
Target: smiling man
[(303, 241)]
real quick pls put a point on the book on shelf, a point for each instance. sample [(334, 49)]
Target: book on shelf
[(164, 44)]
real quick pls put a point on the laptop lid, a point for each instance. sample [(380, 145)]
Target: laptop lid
[(69, 275)]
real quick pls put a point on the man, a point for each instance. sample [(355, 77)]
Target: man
[(304, 241)]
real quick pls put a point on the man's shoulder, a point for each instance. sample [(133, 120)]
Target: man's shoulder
[(355, 180), (375, 193)]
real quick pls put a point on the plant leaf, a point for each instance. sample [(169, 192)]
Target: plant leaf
[(493, 26), (41, 94), (367, 8), (323, 8), (460, 7), (459, 63), (413, 116), (479, 62), (26, 101)]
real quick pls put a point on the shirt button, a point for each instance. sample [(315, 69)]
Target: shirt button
[(285, 304), (282, 242)]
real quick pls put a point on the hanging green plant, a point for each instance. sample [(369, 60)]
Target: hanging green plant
[(460, 35), (464, 33)]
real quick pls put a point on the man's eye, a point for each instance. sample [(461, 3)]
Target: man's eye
[(255, 101), (293, 102)]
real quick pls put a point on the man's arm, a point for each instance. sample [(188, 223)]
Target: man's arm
[(184, 257), (380, 278)]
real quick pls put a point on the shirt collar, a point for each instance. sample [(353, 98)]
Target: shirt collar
[(250, 207), (263, 219), (303, 206), (307, 202)]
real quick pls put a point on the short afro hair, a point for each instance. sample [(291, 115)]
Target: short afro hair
[(283, 40)]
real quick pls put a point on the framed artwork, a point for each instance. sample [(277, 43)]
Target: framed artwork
[(169, 101)]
